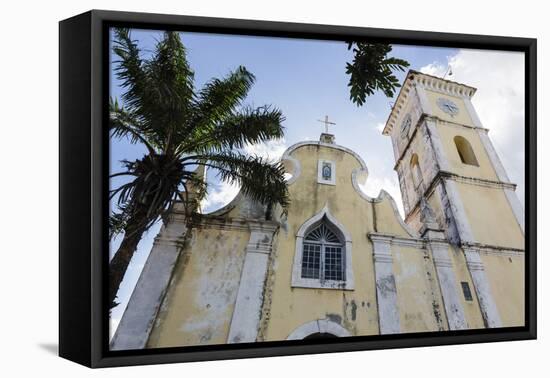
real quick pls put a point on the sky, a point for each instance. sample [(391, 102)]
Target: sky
[(306, 79)]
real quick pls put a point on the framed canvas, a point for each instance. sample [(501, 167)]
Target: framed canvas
[(215, 200)]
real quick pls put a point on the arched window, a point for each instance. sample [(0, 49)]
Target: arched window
[(465, 151), (416, 174), (323, 257), (323, 254)]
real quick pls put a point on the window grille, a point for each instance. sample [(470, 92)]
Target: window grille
[(323, 255)]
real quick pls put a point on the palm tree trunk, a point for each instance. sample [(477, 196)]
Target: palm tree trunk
[(120, 261)]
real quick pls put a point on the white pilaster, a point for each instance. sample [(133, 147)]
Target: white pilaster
[(423, 98), (437, 146), (448, 285), (246, 315), (472, 112), (517, 208), (511, 195), (487, 305), (386, 291), (459, 213), (140, 314)]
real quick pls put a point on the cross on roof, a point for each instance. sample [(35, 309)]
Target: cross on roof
[(326, 122)]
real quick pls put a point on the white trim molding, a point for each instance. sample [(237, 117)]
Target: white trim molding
[(453, 201), (386, 290), (511, 194), (146, 299), (295, 146), (318, 326), (448, 285), (487, 304), (437, 145), (297, 281), (245, 321), (292, 167)]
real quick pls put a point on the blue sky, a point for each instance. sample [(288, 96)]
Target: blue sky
[(306, 79)]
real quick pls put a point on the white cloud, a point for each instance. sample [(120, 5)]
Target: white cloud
[(272, 150), (219, 195), (389, 183), (380, 126), (434, 69), (499, 101)]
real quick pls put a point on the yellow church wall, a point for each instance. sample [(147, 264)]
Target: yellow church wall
[(447, 133), (291, 307), (462, 117), (506, 276), (472, 312), (386, 219), (418, 299), (490, 216), (199, 303)]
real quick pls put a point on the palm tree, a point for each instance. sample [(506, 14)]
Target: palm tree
[(182, 129)]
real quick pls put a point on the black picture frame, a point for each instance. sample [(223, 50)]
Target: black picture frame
[(83, 153)]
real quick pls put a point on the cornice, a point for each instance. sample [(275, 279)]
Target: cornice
[(421, 122), (429, 82), (441, 175)]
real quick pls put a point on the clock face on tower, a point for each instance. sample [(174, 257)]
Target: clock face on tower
[(447, 106)]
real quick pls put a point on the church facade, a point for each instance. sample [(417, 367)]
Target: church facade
[(341, 263)]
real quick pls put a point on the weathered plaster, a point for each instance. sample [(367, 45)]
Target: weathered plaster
[(138, 318), (386, 293), (448, 285), (451, 200), (245, 321), (487, 304), (425, 104), (199, 302)]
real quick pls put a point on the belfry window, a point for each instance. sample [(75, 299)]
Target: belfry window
[(465, 151), (323, 254)]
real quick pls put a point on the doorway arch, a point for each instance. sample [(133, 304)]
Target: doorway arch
[(317, 329)]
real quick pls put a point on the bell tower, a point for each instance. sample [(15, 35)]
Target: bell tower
[(448, 167), (444, 154)]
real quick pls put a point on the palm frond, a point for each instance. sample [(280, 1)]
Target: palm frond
[(124, 123), (172, 86), (220, 97), (248, 126), (129, 69), (260, 180)]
